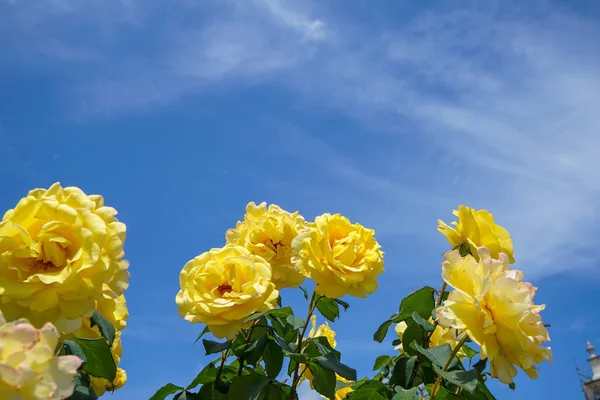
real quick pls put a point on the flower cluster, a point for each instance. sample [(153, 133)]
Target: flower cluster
[(272, 249), (29, 369), (490, 302), (61, 259)]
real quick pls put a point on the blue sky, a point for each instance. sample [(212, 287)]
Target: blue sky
[(180, 113)]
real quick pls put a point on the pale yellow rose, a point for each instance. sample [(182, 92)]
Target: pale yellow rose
[(492, 304), (477, 228), (341, 257), (29, 368), (269, 234), (222, 287), (400, 328), (60, 252)]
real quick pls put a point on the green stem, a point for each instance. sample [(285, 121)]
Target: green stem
[(246, 340), (311, 308), (455, 351), (438, 301), (224, 355)]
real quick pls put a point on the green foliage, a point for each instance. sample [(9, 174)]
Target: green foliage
[(106, 329), (269, 359), (99, 360)]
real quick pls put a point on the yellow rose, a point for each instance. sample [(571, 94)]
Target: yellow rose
[(222, 287), (101, 385), (269, 234), (60, 251), (477, 228), (492, 304), (342, 258), (29, 368)]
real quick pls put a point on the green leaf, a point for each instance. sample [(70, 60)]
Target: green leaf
[(425, 324), (206, 392), (342, 303), (422, 302), (382, 331), (165, 391), (305, 292), (296, 323), (212, 347), (106, 328), (512, 386), (100, 362), (251, 352), (247, 387), (370, 390), (284, 345), (82, 390), (444, 394), (73, 348), (465, 379), (480, 365), (407, 394), (187, 396), (336, 366), (380, 362), (439, 355), (275, 312), (207, 375), (469, 351), (279, 301), (204, 332), (323, 380), (464, 249), (273, 358), (328, 308), (412, 334), (403, 371)]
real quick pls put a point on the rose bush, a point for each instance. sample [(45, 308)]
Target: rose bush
[(62, 267)]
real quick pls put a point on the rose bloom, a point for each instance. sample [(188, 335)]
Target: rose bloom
[(222, 287), (341, 257), (477, 228), (29, 368), (60, 251), (269, 234), (492, 304)]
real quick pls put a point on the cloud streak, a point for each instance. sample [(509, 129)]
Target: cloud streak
[(493, 104)]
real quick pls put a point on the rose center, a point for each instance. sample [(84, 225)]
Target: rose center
[(224, 288)]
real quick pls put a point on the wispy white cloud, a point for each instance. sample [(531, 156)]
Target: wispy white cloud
[(493, 104)]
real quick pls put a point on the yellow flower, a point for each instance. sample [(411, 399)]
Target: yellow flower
[(60, 251), (29, 369), (269, 234), (101, 385), (342, 258), (477, 228), (222, 287), (492, 304)]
